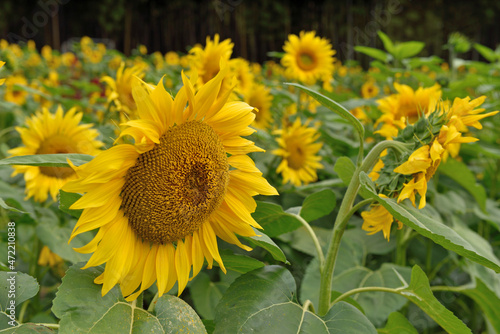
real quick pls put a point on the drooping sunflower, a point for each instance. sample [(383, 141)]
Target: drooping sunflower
[(121, 89), (298, 148), (405, 107), (160, 203), (205, 61), (307, 57), (261, 99), (435, 136), (47, 133)]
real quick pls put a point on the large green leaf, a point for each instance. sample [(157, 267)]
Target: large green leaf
[(8, 207), (397, 324), (407, 49), (388, 44), (374, 53), (48, 160), (82, 309), (488, 301), (377, 305), (432, 229), (461, 174), (344, 167), (21, 285), (263, 241), (318, 205), (335, 107), (419, 292), (263, 301), (239, 263), (274, 220), (27, 329)]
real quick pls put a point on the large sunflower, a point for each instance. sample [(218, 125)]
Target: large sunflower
[(298, 147), (307, 57), (48, 133), (161, 203)]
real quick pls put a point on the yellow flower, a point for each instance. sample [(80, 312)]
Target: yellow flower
[(143, 49), (172, 58), (298, 148), (121, 88), (378, 219), (47, 258), (418, 162), (307, 57), (2, 80), (407, 106), (48, 133), (244, 77), (160, 204), (13, 92), (206, 60), (416, 185), (369, 89), (261, 99), (360, 114)]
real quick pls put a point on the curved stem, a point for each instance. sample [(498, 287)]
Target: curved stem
[(23, 311), (151, 307), (314, 238), (364, 289), (343, 215)]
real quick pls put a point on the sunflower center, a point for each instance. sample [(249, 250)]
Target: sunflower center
[(54, 145), (306, 61), (297, 156), (174, 188)]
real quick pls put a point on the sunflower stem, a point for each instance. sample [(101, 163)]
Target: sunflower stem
[(345, 212), (314, 238)]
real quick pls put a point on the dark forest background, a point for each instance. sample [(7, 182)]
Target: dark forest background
[(255, 27)]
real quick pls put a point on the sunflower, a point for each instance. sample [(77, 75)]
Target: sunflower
[(205, 61), (435, 136), (13, 93), (369, 89), (172, 58), (1, 65), (307, 57), (261, 99), (298, 148), (405, 107), (244, 76), (48, 133), (161, 203), (121, 89)]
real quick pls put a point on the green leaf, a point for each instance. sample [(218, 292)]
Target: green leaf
[(82, 309), (206, 294), (419, 292), (335, 107), (263, 301), (461, 174), (66, 200), (407, 49), (374, 53), (8, 207), (22, 285), (488, 301), (263, 241), (344, 167), (486, 52), (274, 220), (301, 240), (397, 324), (377, 305), (56, 238), (388, 44), (430, 228), (318, 205), (48, 160), (27, 329), (239, 263)]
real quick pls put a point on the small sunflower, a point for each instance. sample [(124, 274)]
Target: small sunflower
[(369, 89), (205, 61), (160, 204), (243, 74), (13, 93), (121, 89), (405, 107), (299, 149), (261, 99), (307, 57), (48, 133)]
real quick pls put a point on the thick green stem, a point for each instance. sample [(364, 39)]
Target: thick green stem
[(342, 219)]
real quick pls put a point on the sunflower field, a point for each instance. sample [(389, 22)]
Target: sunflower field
[(197, 192)]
